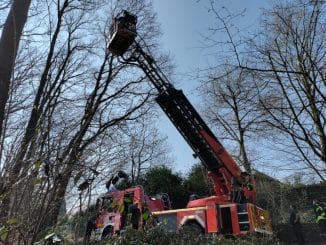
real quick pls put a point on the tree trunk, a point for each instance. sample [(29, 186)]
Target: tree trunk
[(9, 42)]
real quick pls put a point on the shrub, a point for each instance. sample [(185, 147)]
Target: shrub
[(159, 236)]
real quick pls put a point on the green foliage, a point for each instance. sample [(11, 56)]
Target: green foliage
[(4, 231), (159, 236), (124, 184), (8, 226), (198, 182), (163, 180)]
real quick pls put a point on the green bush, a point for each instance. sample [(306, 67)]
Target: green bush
[(159, 236)]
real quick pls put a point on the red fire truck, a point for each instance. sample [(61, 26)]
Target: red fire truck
[(115, 209), (221, 213)]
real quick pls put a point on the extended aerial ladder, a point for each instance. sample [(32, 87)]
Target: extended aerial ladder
[(215, 214), (218, 162), (220, 165)]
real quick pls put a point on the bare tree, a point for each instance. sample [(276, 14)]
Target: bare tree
[(286, 58), (294, 53), (231, 103), (146, 148), (80, 99)]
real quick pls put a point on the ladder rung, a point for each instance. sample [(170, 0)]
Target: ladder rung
[(244, 222)]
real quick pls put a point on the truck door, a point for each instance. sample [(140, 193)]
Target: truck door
[(225, 220)]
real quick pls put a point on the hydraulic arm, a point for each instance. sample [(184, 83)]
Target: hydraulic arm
[(189, 123)]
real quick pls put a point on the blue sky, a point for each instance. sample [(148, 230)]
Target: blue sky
[(183, 22)]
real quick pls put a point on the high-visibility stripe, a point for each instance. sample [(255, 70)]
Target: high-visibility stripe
[(319, 218), (178, 210), (320, 213)]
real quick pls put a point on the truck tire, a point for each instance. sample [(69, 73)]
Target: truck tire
[(107, 233), (192, 228)]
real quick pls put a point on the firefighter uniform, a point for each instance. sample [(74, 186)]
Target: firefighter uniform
[(296, 225), (320, 213)]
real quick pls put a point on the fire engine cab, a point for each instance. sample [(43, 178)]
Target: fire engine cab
[(221, 213), (115, 210)]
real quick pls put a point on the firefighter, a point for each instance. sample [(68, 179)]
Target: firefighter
[(123, 209), (237, 194), (236, 189), (90, 226), (320, 213), (238, 184), (247, 183), (247, 186), (296, 224), (145, 214), (134, 215)]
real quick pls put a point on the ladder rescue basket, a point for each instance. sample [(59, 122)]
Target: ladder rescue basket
[(122, 33)]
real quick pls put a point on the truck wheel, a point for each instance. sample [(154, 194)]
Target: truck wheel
[(192, 228), (107, 233)]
